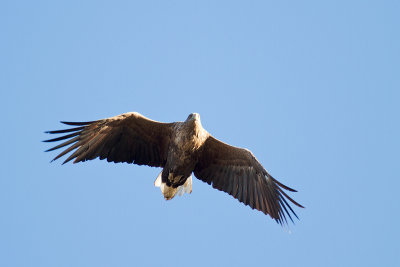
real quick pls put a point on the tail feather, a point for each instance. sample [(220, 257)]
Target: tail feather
[(169, 192)]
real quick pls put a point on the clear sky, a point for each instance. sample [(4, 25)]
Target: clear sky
[(310, 87)]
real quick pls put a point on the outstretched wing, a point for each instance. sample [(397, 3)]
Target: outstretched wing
[(128, 137), (237, 172)]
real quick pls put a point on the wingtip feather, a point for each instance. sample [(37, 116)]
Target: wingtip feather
[(77, 123)]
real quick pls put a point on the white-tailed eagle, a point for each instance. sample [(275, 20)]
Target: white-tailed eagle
[(180, 148)]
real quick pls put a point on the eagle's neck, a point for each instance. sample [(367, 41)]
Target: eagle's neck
[(199, 133), (192, 134)]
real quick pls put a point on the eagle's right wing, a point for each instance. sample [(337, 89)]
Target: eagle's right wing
[(237, 172), (128, 137)]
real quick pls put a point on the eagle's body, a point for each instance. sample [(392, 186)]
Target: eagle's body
[(186, 140), (180, 148)]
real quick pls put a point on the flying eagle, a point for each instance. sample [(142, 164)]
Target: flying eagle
[(180, 148)]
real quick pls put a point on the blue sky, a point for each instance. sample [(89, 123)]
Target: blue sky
[(311, 87)]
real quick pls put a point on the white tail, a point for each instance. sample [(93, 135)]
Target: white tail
[(169, 192)]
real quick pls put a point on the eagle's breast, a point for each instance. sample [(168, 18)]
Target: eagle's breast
[(189, 136)]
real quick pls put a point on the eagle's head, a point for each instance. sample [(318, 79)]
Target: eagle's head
[(194, 117)]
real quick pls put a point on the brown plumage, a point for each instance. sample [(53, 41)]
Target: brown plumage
[(180, 148)]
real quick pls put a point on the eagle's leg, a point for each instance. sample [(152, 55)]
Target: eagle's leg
[(173, 185)]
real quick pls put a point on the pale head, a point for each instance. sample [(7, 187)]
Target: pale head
[(194, 117)]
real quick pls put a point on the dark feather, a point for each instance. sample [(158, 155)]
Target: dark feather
[(129, 137), (65, 131), (62, 137), (68, 142), (77, 123), (244, 178)]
